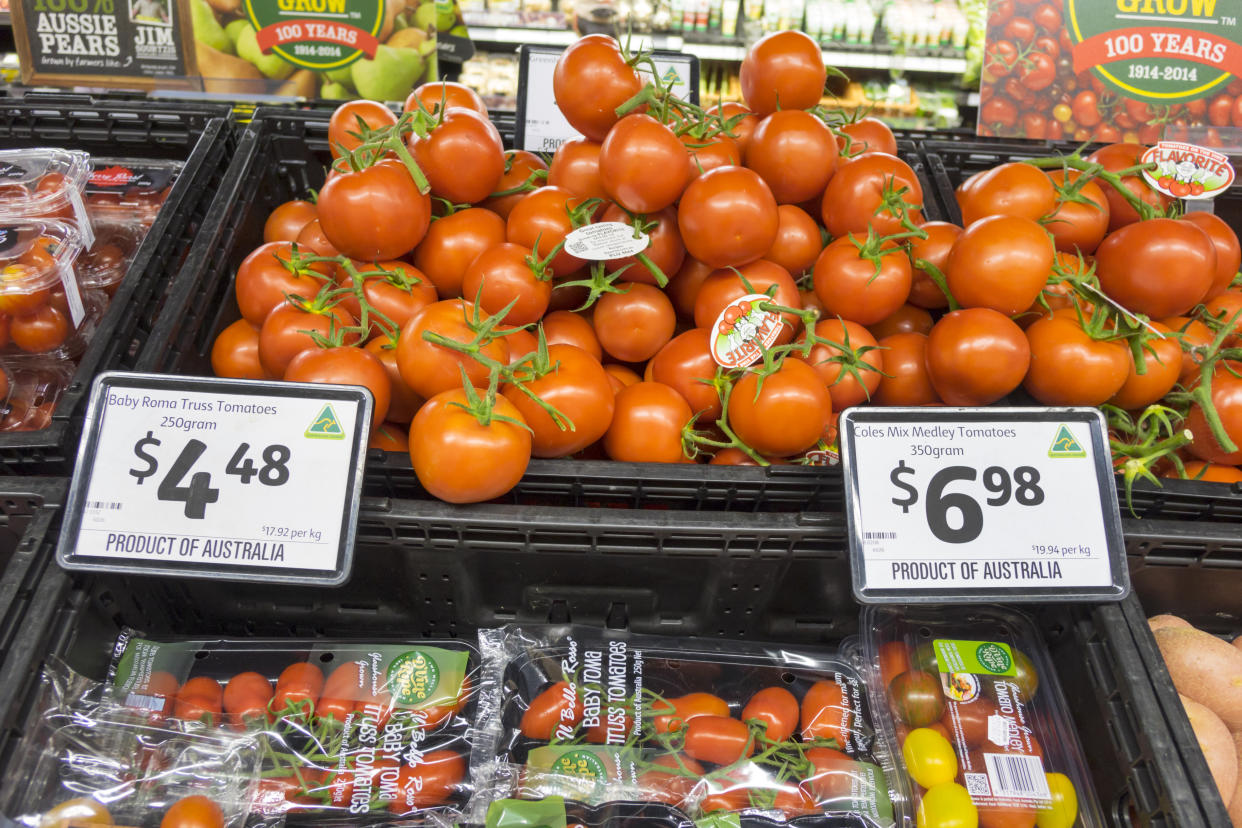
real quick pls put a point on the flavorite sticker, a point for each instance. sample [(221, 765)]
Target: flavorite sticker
[(1187, 171), (743, 330)]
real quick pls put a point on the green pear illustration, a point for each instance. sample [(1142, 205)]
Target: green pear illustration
[(430, 14), (335, 92), (389, 76), (272, 65), (343, 76), (207, 29), (234, 30)]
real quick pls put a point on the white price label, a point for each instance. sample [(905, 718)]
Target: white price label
[(605, 240), (981, 504), (218, 478), (540, 125)]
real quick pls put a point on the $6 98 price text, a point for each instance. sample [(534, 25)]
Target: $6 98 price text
[(1021, 487)]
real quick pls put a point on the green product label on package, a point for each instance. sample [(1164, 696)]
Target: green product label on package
[(316, 34), (720, 819), (1163, 51), (988, 658), (548, 812), (572, 760)]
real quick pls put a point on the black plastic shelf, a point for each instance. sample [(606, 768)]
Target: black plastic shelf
[(197, 135)]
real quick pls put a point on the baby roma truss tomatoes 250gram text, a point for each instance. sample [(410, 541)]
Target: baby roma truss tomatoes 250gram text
[(486, 343)]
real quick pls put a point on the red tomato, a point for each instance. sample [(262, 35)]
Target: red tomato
[(826, 713), (850, 376), (265, 277), (287, 220), (642, 164), (452, 242), (575, 167), (1073, 224), (635, 324), (521, 176), (976, 356), (665, 249), (867, 135), (402, 401), (727, 217), (592, 79), (429, 781), (783, 70), (647, 424), (508, 276), (854, 199), (1228, 252), (235, 352), (798, 240), (1013, 189), (374, 214), (776, 709), (998, 113), (427, 368), (905, 363), (894, 659), (287, 332), (353, 119), (245, 700), (312, 240), (462, 156), (906, 319), (200, 699), (1161, 267), (1210, 472), (784, 416), (941, 236), (620, 376), (794, 153), (707, 153), (195, 811), (566, 328), (1000, 262), (683, 288), (345, 366), (541, 221), (400, 292), (718, 739), (671, 786), (671, 715), (459, 459), (443, 95), (849, 286), (740, 129), (577, 387), (1163, 360), (1037, 71), (1119, 157), (683, 364), (1068, 367)]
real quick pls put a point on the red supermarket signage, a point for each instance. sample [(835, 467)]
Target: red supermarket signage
[(1150, 42), (319, 31)]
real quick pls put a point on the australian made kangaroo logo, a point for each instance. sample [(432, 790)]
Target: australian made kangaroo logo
[(326, 426), (1065, 444)]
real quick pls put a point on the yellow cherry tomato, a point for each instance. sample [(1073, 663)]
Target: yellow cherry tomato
[(1063, 809), (81, 811), (947, 805), (930, 759), (1062, 113)]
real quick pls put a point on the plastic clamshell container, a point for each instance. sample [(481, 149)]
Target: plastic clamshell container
[(120, 190), (43, 309), (971, 703), (33, 390), (107, 261), (45, 183)]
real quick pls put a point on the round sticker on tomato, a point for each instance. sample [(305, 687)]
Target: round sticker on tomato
[(743, 330), (606, 240)]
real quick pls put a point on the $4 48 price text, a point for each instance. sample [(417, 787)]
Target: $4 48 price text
[(199, 492), (1022, 488)]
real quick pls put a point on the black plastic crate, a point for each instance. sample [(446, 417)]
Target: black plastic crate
[(282, 155), (1193, 570), (428, 569), (197, 135)]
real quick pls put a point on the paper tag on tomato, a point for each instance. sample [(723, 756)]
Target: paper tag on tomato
[(605, 240), (1187, 171), (822, 457), (743, 330)]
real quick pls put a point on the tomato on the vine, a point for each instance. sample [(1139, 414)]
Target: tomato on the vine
[(867, 135), (647, 424), (905, 364), (452, 243), (591, 79), (1161, 267), (1000, 262), (459, 459), (1069, 367), (976, 356), (634, 324), (428, 368), (727, 285), (798, 240), (374, 213), (345, 366), (850, 376), (642, 164), (863, 290), (870, 192), (463, 156), (783, 70), (353, 119), (785, 414), (727, 217), (795, 153)]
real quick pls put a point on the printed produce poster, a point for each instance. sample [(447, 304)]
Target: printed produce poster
[(1111, 70), (335, 49)]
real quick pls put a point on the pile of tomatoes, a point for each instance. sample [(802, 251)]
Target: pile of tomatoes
[(1030, 89), (433, 269), (313, 728), (693, 753)]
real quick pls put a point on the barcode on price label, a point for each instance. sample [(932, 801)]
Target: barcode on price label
[(879, 535), (103, 505), (145, 702), (1017, 776)]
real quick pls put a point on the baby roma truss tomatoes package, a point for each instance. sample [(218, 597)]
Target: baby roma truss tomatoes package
[(351, 732), (971, 700), (683, 728), (86, 761)]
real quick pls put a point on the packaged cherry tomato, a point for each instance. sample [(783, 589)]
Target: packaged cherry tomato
[(43, 309), (87, 761), (45, 183), (704, 730), (357, 732), (557, 812), (121, 190), (107, 261), (971, 702), (33, 389)]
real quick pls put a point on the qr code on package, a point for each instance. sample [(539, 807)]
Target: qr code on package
[(977, 784)]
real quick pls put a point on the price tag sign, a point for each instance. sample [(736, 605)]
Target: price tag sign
[(539, 125), (960, 504), (213, 478)]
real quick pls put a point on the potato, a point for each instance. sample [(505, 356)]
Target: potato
[(1235, 805), (1159, 622), (1237, 642), (1217, 745), (1205, 669)]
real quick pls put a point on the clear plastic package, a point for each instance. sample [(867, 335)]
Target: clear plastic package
[(107, 261), (970, 700), (32, 392), (350, 732), (85, 761), (683, 729), (120, 190), (43, 309), (45, 183)]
